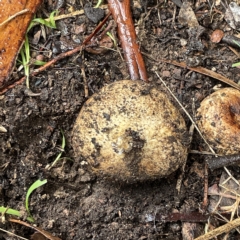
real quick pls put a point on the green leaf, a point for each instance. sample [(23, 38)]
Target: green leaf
[(52, 21), (48, 23), (34, 186), (43, 22)]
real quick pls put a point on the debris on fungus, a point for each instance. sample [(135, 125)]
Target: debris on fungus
[(130, 131), (218, 118)]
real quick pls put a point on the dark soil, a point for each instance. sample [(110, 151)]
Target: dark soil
[(75, 204)]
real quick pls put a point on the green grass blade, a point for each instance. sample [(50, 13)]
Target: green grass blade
[(13, 212), (34, 186), (98, 4), (113, 39), (10, 211), (43, 22), (52, 21), (27, 49), (63, 140), (60, 154), (237, 43)]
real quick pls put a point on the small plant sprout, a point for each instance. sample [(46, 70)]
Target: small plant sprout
[(108, 33), (60, 154), (34, 186), (48, 23), (13, 212), (25, 51), (16, 213), (113, 39)]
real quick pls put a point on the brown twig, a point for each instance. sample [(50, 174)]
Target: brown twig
[(205, 193), (183, 217), (203, 71), (38, 229), (121, 13), (223, 161), (13, 16), (59, 57)]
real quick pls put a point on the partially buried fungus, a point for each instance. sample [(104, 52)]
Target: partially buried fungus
[(130, 131), (218, 119)]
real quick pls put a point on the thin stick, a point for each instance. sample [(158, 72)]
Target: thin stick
[(84, 79), (222, 161), (195, 125), (180, 179), (204, 71), (38, 229), (201, 152), (10, 233), (205, 194), (73, 14), (233, 178), (13, 16)]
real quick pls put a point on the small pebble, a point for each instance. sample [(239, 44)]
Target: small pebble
[(3, 129), (94, 14)]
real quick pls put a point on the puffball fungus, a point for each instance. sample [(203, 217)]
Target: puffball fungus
[(130, 131), (219, 120)]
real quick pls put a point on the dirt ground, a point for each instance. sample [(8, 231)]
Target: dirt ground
[(75, 204)]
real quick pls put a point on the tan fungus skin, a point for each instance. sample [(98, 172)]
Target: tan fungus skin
[(130, 131), (219, 120)]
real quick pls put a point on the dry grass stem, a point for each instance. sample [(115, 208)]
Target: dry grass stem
[(73, 14), (12, 234), (186, 112), (220, 230), (13, 16)]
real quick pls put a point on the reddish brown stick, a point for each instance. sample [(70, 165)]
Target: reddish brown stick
[(205, 196), (59, 57), (38, 229), (121, 13)]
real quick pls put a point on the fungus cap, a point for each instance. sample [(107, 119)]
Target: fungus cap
[(130, 131), (219, 120)]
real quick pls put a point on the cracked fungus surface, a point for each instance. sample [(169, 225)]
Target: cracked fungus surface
[(219, 120), (130, 131)]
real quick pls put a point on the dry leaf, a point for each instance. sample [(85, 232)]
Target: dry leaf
[(187, 16), (15, 17), (232, 16)]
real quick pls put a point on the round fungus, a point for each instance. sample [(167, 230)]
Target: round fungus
[(130, 131), (218, 118)]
